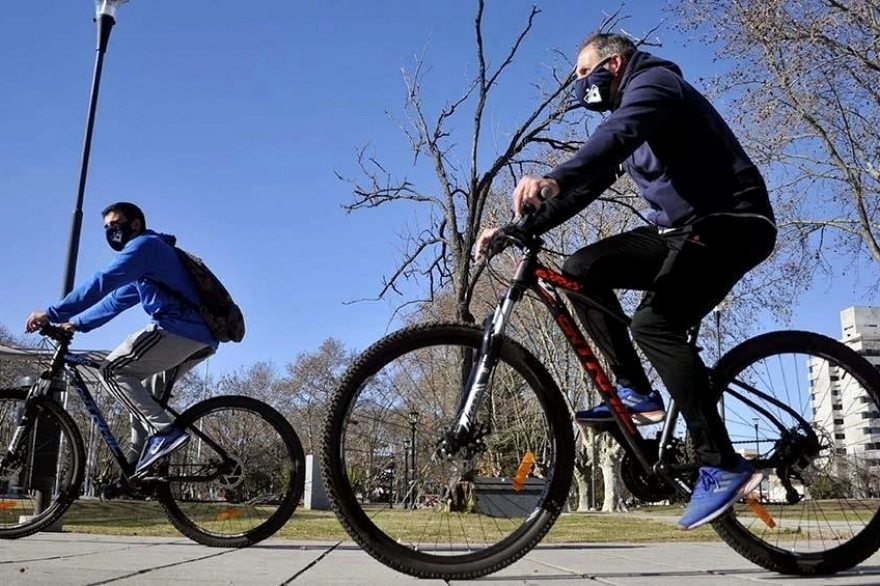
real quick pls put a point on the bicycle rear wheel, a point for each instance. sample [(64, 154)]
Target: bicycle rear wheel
[(241, 476), (20, 513), (465, 513), (805, 408)]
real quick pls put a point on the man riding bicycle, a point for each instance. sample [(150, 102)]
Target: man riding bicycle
[(146, 271), (712, 222)]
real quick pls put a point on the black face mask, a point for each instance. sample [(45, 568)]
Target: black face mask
[(593, 92), (118, 235)]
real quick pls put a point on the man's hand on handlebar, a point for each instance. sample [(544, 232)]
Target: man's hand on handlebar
[(532, 191), (528, 196), (483, 241), (35, 321), (38, 320)]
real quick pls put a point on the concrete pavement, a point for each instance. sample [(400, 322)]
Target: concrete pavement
[(76, 559)]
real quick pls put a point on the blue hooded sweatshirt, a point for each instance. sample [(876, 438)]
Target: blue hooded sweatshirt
[(681, 154), (128, 281)]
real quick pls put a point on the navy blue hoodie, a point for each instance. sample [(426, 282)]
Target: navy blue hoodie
[(128, 281), (681, 154)]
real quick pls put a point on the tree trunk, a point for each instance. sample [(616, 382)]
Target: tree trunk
[(609, 459)]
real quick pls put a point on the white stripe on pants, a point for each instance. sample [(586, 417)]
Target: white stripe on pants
[(136, 372)]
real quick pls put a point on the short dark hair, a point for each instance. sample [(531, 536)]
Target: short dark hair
[(607, 44), (129, 210)]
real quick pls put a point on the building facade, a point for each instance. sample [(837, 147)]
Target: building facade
[(840, 406)]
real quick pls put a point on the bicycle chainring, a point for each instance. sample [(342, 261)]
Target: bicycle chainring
[(649, 488)]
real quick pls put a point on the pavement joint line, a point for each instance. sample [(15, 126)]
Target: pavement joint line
[(312, 564), (79, 555), (162, 567)]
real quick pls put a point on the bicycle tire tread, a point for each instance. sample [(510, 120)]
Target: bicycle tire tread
[(296, 487), (454, 569)]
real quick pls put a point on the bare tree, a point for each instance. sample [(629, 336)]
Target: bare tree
[(13, 368), (438, 254), (260, 381), (309, 381), (803, 75)]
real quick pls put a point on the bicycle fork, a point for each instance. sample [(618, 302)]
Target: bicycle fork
[(15, 451), (465, 431)]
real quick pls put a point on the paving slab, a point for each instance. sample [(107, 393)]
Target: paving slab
[(93, 560)]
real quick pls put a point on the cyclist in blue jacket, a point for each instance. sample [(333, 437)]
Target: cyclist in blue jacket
[(177, 338), (711, 223)]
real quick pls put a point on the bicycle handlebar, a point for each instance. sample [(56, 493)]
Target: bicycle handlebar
[(517, 232), (56, 333)]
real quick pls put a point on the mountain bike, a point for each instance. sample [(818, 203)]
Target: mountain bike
[(235, 483), (486, 431)]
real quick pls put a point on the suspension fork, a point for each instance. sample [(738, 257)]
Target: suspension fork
[(485, 360), (42, 388)]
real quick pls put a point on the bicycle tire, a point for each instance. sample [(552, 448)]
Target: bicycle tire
[(294, 488), (50, 409), (734, 533), (385, 548)]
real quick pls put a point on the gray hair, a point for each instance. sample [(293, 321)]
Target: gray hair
[(607, 44)]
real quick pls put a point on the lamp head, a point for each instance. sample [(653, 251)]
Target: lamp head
[(107, 7)]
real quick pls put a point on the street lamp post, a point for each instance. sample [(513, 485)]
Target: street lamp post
[(406, 448), (757, 455), (717, 313), (413, 422), (105, 18), (43, 467)]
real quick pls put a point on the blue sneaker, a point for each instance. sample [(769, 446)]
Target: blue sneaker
[(644, 409), (160, 445), (716, 490)]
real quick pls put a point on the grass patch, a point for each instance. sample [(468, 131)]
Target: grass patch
[(647, 524), (147, 518)]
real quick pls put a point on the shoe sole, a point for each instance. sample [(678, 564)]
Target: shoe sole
[(750, 485), (643, 418), (167, 452)]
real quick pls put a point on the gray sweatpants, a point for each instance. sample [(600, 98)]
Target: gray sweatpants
[(138, 372)]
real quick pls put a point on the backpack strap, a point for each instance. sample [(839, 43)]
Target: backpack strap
[(175, 293)]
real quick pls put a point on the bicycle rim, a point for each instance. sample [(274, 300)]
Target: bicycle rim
[(431, 516)]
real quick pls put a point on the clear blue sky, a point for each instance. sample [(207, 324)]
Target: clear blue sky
[(226, 121)]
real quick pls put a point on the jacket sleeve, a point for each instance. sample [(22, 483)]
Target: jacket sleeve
[(112, 305), (646, 103), (128, 266), (557, 210)]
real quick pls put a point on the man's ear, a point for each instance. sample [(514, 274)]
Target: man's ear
[(620, 65), (137, 225)]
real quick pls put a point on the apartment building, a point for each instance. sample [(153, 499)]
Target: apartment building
[(840, 406)]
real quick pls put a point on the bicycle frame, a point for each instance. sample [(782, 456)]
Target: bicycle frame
[(533, 276), (546, 283), (64, 360)]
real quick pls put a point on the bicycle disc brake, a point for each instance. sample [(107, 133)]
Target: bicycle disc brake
[(465, 444), (231, 473), (11, 467)]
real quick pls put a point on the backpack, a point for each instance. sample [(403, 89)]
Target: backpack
[(221, 314)]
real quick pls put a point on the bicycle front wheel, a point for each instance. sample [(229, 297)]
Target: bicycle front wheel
[(38, 483), (241, 476), (424, 501), (804, 408)]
